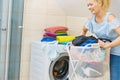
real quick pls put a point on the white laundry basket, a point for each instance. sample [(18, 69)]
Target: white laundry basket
[(88, 63)]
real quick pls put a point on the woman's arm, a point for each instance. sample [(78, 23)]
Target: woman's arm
[(84, 31), (114, 43)]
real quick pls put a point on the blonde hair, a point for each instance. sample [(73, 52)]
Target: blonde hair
[(105, 4)]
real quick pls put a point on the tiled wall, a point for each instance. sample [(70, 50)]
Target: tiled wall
[(39, 14)]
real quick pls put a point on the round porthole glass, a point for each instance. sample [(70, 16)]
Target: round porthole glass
[(59, 68)]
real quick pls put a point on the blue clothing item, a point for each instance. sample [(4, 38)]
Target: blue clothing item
[(88, 42), (105, 30), (114, 67), (47, 39)]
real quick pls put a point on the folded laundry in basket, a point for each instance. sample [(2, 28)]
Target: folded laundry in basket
[(89, 41), (78, 40), (84, 40), (105, 40)]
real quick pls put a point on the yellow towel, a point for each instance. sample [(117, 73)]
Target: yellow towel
[(65, 38)]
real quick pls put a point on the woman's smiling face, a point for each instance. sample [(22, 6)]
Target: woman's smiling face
[(93, 6)]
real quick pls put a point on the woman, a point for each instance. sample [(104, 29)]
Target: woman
[(105, 25)]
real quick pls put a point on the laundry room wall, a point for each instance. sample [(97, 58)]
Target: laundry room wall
[(39, 14)]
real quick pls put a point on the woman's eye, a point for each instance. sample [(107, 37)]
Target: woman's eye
[(89, 5)]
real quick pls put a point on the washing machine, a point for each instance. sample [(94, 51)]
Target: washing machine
[(48, 61)]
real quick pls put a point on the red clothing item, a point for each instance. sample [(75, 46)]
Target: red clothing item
[(55, 28), (49, 34)]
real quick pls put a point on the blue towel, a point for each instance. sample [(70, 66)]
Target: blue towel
[(47, 39)]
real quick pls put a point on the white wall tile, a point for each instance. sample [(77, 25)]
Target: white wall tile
[(34, 21), (54, 9), (52, 4), (25, 69), (75, 24), (55, 12), (56, 20), (35, 4)]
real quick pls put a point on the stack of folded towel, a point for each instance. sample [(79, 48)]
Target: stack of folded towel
[(51, 33)]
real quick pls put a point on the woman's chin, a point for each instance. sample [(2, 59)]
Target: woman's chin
[(92, 12)]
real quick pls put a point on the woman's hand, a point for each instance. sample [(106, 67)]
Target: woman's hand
[(103, 44)]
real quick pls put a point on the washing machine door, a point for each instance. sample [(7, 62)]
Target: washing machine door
[(59, 67)]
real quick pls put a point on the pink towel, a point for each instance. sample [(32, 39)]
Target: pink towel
[(49, 34), (56, 28)]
